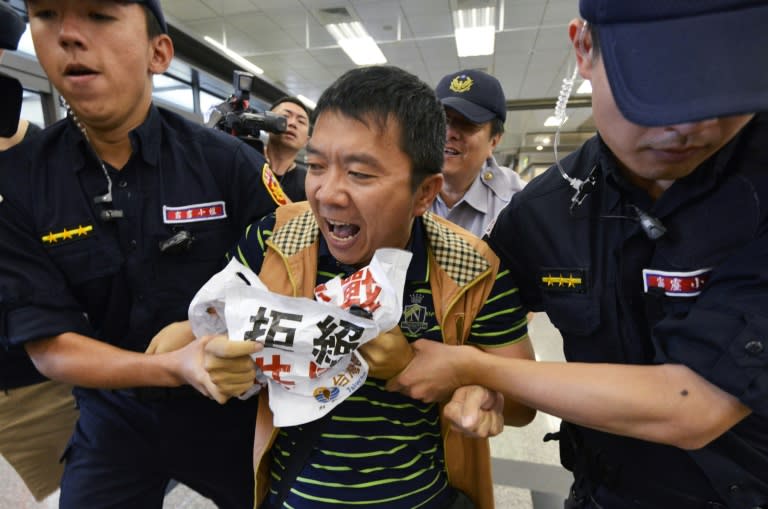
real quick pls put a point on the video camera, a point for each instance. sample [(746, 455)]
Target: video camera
[(236, 116)]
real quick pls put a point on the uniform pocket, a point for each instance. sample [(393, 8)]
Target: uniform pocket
[(84, 260), (573, 313)]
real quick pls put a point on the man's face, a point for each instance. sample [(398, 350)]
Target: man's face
[(653, 157), (359, 187), (297, 131), (467, 145), (99, 56)]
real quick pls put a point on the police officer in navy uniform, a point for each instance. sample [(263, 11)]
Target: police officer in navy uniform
[(649, 253), (37, 415), (110, 220)]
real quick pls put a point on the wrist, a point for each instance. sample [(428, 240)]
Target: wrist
[(464, 363), (172, 366)]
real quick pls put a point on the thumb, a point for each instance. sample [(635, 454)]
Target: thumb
[(223, 347), (475, 399), (492, 400)]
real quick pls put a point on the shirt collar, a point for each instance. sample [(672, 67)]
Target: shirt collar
[(146, 138), (476, 196), (145, 141)]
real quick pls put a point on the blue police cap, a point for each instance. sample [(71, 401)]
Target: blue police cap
[(677, 61), (11, 27), (154, 6), (477, 96)]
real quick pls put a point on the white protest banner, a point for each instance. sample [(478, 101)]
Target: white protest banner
[(309, 360)]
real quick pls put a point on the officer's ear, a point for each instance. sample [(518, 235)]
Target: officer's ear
[(494, 142), (161, 53), (426, 193), (581, 39)]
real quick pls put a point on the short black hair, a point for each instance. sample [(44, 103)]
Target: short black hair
[(291, 99), (497, 126), (381, 93), (153, 24)]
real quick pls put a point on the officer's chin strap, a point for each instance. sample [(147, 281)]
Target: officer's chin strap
[(102, 199)]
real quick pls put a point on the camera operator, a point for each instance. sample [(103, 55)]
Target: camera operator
[(237, 117), (283, 148)]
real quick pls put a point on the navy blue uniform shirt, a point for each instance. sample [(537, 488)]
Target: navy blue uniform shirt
[(697, 296), (64, 269)]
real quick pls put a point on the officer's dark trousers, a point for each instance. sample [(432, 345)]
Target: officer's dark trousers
[(605, 499), (124, 451)]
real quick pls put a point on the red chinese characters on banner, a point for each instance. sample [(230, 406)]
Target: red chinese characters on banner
[(275, 369), (359, 289), (315, 371)]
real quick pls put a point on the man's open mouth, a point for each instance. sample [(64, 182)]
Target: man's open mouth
[(78, 70), (342, 231)]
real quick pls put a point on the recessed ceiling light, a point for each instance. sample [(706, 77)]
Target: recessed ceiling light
[(356, 43), (244, 62), (474, 31)]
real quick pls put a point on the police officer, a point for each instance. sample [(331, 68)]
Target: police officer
[(36, 415), (651, 258), (110, 220), (475, 187)]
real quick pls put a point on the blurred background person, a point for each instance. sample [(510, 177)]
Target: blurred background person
[(283, 149)]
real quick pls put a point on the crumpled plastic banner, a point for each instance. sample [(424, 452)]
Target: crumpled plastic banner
[(310, 361)]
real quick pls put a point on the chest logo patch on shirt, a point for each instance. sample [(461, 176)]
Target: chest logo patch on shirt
[(67, 235), (194, 213), (415, 316), (676, 284), (273, 186), (563, 280)]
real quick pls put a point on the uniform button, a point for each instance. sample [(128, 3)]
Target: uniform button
[(140, 298), (133, 244), (754, 347), (488, 176), (733, 488), (123, 184)]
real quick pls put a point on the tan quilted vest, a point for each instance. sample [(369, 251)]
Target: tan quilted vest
[(462, 270)]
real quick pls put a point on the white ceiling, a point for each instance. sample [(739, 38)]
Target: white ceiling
[(287, 39)]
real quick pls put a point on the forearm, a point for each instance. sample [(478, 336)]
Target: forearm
[(667, 403), (516, 413), (83, 361)]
